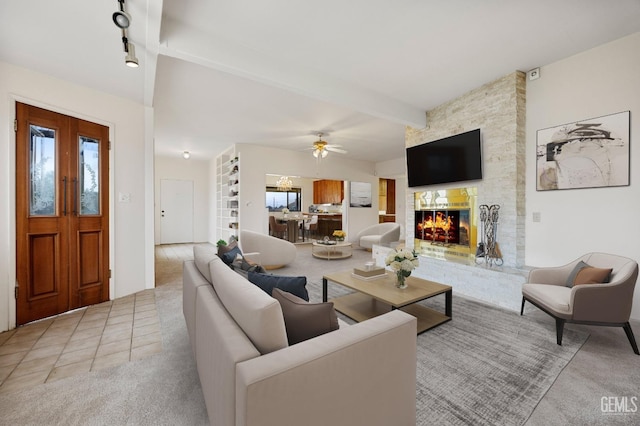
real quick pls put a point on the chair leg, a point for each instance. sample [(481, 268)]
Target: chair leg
[(632, 339), (559, 330), (522, 308)]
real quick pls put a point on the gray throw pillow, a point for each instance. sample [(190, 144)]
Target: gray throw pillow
[(572, 275), (222, 249), (305, 320), (229, 256), (268, 282)]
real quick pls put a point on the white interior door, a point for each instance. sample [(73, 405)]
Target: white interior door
[(176, 211)]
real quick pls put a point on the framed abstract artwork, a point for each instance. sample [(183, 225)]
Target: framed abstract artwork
[(360, 194), (589, 153)]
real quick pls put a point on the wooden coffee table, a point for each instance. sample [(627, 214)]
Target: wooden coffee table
[(376, 297)]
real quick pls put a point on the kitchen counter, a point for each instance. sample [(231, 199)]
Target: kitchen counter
[(327, 223)]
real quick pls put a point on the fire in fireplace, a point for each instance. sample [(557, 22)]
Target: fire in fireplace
[(444, 227), (445, 223)]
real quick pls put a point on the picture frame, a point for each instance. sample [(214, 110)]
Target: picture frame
[(589, 153), (360, 194)]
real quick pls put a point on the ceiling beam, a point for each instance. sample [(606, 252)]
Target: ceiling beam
[(191, 45), (152, 45)]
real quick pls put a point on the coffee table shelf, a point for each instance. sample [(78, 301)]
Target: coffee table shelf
[(373, 298), (360, 307), (340, 250)]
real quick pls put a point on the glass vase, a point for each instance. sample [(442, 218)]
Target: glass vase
[(401, 276)]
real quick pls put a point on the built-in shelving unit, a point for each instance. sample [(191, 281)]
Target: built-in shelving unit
[(227, 194)]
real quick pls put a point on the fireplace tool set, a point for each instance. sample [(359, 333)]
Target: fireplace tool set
[(488, 248)]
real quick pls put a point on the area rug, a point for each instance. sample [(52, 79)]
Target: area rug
[(487, 366)]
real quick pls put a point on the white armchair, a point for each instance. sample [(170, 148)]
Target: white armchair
[(381, 233), (274, 252)]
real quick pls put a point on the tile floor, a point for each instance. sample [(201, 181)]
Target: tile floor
[(87, 339)]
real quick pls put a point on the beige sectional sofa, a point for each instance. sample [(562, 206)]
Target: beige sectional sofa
[(363, 374)]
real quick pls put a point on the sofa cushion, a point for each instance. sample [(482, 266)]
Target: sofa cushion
[(556, 298), (258, 315), (585, 274), (293, 285), (368, 241), (305, 320), (202, 255)]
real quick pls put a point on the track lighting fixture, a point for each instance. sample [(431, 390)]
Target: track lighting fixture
[(122, 20)]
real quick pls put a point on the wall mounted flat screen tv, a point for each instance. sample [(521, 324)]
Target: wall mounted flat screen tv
[(453, 159)]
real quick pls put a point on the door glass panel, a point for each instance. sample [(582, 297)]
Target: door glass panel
[(42, 171), (89, 176)]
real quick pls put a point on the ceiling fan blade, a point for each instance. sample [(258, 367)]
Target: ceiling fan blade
[(333, 148)]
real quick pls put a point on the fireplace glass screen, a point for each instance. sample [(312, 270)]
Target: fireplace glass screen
[(444, 227)]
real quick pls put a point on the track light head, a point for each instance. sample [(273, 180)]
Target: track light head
[(122, 19), (131, 59)]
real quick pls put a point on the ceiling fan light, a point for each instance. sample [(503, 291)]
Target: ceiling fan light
[(122, 19), (324, 153), (316, 152)]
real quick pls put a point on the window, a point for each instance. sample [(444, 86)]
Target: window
[(277, 200)]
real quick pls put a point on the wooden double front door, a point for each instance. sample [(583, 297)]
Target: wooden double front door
[(62, 213)]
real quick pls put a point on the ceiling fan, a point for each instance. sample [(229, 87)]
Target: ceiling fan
[(321, 148)]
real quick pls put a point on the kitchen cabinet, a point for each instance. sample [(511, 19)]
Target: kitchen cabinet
[(328, 191)]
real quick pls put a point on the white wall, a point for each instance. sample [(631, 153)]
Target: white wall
[(178, 168), (601, 81), (129, 174), (258, 161)]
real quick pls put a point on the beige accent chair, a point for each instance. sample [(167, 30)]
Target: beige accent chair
[(274, 252), (381, 233), (606, 304)]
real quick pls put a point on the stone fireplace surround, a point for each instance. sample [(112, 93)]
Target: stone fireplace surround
[(498, 109)]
